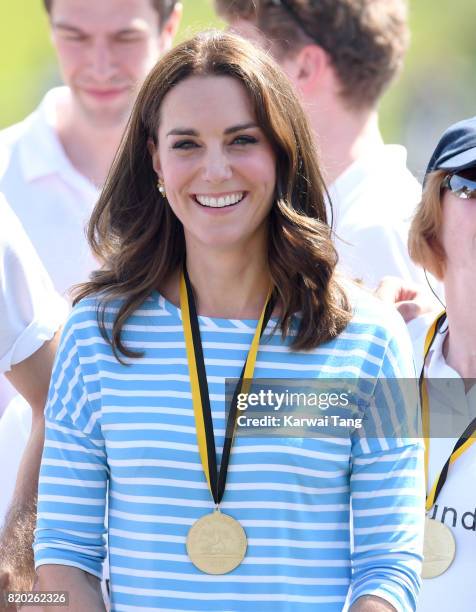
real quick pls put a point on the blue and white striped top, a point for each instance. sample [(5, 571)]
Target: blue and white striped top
[(127, 432)]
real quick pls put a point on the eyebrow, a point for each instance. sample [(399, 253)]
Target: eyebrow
[(64, 26), (70, 28), (230, 130)]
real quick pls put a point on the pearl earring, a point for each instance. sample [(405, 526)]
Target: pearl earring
[(161, 187)]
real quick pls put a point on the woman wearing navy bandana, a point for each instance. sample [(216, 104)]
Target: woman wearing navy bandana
[(443, 240)]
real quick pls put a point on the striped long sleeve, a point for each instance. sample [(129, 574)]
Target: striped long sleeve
[(73, 476), (387, 488)]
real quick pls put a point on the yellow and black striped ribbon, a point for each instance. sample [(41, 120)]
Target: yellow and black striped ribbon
[(464, 441), (199, 386)]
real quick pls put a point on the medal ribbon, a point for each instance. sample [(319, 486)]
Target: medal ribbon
[(199, 386), (464, 441)]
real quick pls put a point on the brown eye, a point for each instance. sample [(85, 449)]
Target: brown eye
[(184, 145), (243, 140)]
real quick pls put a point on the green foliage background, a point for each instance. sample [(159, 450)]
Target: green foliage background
[(437, 87)]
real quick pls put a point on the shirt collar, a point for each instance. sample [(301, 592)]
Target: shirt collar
[(41, 152), (436, 369), (436, 366)]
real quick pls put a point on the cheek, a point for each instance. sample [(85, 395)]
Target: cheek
[(458, 234), (177, 173), (137, 59), (261, 168), (70, 57)]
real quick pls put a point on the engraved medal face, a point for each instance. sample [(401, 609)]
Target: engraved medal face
[(216, 543), (438, 550)]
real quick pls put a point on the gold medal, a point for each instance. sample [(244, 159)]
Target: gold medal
[(216, 543), (439, 548)]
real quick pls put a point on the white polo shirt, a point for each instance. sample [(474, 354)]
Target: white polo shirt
[(30, 313), (49, 196), (30, 310), (373, 203), (451, 409)]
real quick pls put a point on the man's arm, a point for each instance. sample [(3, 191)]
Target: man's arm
[(83, 589), (31, 378)]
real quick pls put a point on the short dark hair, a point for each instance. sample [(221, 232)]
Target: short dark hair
[(365, 39), (163, 7)]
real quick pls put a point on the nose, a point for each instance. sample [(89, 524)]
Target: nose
[(101, 61), (217, 168)]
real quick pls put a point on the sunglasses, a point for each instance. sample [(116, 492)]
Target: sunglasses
[(462, 184)]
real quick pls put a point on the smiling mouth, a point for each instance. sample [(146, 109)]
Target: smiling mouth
[(104, 93), (232, 199)]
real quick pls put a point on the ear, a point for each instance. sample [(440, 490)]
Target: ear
[(154, 154), (170, 29), (311, 66)]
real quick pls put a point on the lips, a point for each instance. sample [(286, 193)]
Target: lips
[(104, 93)]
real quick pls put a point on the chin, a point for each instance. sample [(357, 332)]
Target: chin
[(108, 118), (106, 115)]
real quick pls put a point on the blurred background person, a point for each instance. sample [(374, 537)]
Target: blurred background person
[(59, 155), (408, 113), (57, 158), (342, 55), (30, 314), (443, 240)]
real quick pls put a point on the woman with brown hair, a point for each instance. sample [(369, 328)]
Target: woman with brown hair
[(217, 262), (443, 240)]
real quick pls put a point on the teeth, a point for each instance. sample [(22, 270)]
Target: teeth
[(220, 202)]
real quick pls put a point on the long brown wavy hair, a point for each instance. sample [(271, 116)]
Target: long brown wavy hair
[(139, 240)]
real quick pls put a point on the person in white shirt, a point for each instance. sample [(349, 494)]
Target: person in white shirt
[(341, 55), (443, 240), (59, 156), (57, 159), (31, 313)]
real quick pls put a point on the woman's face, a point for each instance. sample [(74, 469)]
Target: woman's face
[(458, 232), (218, 167)]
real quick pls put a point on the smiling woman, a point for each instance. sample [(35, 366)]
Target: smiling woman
[(212, 234), (220, 174), (219, 122)]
